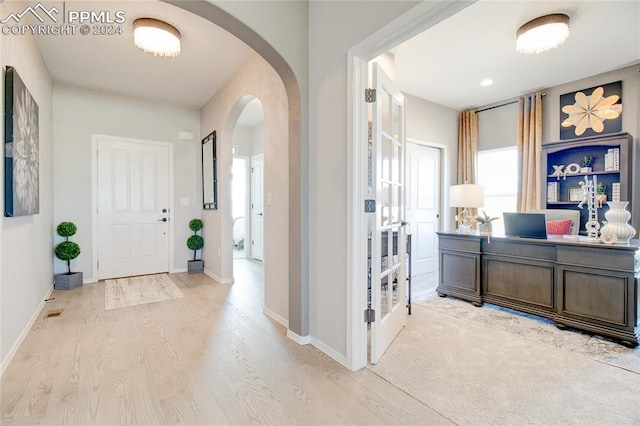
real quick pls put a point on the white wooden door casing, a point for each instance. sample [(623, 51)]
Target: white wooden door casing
[(257, 207), (388, 300), (423, 205), (133, 190)]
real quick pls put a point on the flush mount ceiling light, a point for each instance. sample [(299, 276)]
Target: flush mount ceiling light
[(157, 37), (543, 33)]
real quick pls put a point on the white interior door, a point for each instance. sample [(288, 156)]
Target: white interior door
[(133, 208), (388, 247), (423, 205), (257, 207)]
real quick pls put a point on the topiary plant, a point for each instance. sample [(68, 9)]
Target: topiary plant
[(195, 242), (67, 250)]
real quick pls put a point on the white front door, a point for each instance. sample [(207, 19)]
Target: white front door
[(388, 242), (423, 205), (257, 207), (133, 208)]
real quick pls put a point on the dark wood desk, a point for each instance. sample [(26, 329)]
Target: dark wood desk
[(592, 287)]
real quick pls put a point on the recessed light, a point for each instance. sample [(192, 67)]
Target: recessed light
[(486, 82)]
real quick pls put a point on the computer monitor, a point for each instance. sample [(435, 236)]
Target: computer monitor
[(525, 225)]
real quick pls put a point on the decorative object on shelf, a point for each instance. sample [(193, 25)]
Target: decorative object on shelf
[(592, 225), (465, 196), (195, 243), (601, 194), (21, 149), (542, 33), (571, 169), (577, 194), (586, 164), (617, 222), (484, 222), (592, 111), (552, 192), (608, 238), (67, 251), (612, 160), (557, 170)]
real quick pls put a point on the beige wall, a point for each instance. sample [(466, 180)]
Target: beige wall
[(26, 261), (334, 28), (78, 114), (254, 79), (249, 139)]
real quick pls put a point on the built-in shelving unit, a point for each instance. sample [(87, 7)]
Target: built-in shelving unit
[(571, 152)]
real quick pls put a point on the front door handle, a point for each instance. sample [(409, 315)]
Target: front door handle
[(259, 214), (164, 219)]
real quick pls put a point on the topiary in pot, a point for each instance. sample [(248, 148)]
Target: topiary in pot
[(67, 251), (195, 242)]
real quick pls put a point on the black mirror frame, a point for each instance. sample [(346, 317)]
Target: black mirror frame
[(211, 137)]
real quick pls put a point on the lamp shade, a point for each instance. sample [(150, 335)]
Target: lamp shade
[(543, 33), (466, 195)]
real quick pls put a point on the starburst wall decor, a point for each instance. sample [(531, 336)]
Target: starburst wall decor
[(590, 112), (21, 149)]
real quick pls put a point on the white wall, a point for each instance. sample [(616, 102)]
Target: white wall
[(78, 113), (249, 139), (334, 27), (258, 79), (27, 242)]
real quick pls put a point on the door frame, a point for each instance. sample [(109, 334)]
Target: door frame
[(95, 233), (246, 201), (415, 21), (251, 227)]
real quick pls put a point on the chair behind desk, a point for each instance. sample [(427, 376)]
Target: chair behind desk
[(562, 214)]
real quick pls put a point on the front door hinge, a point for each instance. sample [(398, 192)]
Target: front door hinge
[(369, 315), (369, 95)]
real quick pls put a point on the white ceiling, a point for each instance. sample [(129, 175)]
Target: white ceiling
[(445, 64), (209, 57)]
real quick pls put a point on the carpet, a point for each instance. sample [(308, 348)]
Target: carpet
[(494, 366), (131, 291)]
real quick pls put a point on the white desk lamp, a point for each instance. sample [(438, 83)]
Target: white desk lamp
[(465, 196)]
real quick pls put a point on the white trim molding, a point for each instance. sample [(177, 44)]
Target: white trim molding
[(276, 317), (23, 334), (301, 340), (217, 278)]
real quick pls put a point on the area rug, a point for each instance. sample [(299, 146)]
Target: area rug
[(131, 291), (489, 366)]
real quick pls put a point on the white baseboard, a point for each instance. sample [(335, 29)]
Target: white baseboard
[(341, 359), (23, 334), (217, 278), (89, 281), (277, 318), (178, 271), (301, 340)]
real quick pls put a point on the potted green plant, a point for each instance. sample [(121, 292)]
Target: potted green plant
[(195, 243), (585, 164), (67, 251), (601, 194), (484, 222)]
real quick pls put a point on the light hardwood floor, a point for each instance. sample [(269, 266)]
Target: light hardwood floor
[(211, 357)]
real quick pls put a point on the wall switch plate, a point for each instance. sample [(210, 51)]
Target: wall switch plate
[(184, 201), (268, 199)]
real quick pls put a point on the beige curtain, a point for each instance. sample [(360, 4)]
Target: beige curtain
[(468, 150), (529, 152)]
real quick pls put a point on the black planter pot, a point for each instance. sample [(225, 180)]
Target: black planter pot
[(195, 266), (67, 281)]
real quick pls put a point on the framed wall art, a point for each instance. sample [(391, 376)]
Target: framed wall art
[(21, 148), (590, 112)]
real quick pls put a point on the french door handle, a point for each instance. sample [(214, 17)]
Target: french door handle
[(164, 219), (259, 214)]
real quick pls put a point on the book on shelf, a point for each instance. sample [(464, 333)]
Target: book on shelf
[(552, 192), (612, 160), (615, 191)]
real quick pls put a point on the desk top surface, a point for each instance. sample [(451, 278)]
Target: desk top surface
[(556, 240)]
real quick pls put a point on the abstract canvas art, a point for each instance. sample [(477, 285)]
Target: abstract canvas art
[(591, 112), (21, 149)]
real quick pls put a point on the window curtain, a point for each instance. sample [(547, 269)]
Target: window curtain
[(529, 152), (468, 150)]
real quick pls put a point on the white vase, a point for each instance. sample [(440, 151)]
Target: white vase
[(617, 218)]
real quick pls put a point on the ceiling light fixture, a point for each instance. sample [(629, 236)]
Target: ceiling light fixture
[(543, 33), (157, 37), (486, 82)]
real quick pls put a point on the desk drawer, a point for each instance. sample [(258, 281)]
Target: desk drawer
[(520, 248)]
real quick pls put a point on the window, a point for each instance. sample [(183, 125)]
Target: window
[(498, 172)]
